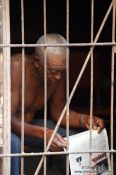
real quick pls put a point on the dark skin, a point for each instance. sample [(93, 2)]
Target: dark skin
[(34, 100)]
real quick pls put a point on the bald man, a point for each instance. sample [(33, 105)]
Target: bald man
[(34, 99)]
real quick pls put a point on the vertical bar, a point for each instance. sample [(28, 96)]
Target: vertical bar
[(112, 106), (45, 85), (1, 86), (1, 77), (23, 87), (91, 95), (112, 83), (67, 84), (6, 87), (91, 83)]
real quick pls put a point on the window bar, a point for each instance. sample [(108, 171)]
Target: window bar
[(91, 88), (1, 85), (1, 78), (68, 44), (45, 95), (112, 82), (112, 105), (6, 87), (67, 84), (23, 87), (91, 83), (45, 84), (76, 83), (55, 153)]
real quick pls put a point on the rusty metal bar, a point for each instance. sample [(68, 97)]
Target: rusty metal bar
[(60, 45), (91, 83), (112, 83), (23, 87), (1, 79), (56, 153), (6, 87), (45, 85), (67, 84)]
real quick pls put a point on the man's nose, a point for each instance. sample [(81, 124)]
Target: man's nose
[(57, 76)]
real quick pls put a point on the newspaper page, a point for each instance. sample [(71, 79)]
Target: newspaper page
[(89, 163)]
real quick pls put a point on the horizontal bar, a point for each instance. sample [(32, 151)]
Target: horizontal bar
[(56, 153), (60, 45)]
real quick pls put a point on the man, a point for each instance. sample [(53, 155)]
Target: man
[(34, 98)]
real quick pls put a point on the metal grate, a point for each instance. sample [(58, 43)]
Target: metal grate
[(5, 45)]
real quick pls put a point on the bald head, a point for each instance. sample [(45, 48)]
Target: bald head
[(57, 52)]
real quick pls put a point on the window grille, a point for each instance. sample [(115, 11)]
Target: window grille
[(5, 94)]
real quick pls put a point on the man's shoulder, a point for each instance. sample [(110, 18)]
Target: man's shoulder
[(17, 58)]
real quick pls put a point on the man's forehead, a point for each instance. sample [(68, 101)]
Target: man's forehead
[(57, 62), (56, 66)]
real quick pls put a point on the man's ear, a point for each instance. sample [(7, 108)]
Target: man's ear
[(37, 64)]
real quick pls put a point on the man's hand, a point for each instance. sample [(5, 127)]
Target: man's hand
[(97, 123), (58, 142)]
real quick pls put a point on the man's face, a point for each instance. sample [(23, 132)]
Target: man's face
[(55, 67)]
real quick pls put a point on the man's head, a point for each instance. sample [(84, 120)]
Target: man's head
[(56, 56)]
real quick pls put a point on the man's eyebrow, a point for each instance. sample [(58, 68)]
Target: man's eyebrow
[(57, 68)]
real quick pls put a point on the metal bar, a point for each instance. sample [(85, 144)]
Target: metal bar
[(23, 87), (6, 88), (61, 45), (91, 83), (56, 153), (112, 83), (1, 80), (45, 90), (67, 84), (112, 106), (45, 85)]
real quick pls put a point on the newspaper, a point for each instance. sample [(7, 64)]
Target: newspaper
[(86, 163)]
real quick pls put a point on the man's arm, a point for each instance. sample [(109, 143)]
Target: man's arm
[(76, 119), (16, 77)]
